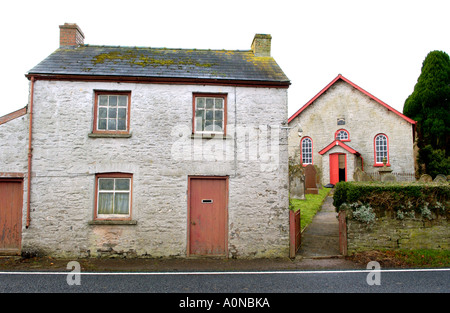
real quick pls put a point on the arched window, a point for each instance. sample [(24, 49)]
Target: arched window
[(306, 147), (381, 147), (342, 135)]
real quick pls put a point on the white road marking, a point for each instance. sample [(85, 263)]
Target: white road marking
[(228, 273)]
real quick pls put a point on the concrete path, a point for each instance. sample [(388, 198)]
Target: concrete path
[(320, 239)]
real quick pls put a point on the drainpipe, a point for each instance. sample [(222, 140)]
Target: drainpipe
[(30, 150)]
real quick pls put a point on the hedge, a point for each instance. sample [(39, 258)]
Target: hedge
[(394, 199)]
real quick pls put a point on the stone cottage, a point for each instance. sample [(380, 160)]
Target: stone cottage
[(344, 127), (134, 152)]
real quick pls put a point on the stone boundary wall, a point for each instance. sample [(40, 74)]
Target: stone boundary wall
[(391, 234)]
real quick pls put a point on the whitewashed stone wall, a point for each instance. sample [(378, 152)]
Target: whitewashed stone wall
[(14, 153), (160, 154), (14, 145), (364, 119)]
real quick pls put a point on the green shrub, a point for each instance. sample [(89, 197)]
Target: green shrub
[(398, 200), (364, 214)]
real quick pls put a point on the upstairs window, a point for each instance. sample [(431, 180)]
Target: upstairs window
[(381, 147), (342, 135), (210, 113), (112, 112), (306, 147)]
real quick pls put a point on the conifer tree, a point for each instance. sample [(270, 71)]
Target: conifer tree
[(429, 105)]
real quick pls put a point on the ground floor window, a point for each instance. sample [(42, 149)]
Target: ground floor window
[(113, 196), (381, 149), (306, 149)]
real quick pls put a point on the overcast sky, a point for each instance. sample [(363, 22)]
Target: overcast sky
[(378, 45)]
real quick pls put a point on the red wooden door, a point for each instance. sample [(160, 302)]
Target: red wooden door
[(11, 196), (208, 230), (338, 168), (334, 168)]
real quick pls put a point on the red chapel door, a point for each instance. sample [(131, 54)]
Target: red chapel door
[(338, 168)]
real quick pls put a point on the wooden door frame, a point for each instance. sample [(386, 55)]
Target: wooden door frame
[(188, 232), (15, 178)]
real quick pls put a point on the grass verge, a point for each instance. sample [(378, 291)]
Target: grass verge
[(420, 258), (310, 206)]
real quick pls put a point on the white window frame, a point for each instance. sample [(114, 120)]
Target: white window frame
[(307, 151), (343, 132), (381, 148)]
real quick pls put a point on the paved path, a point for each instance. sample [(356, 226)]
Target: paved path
[(321, 237)]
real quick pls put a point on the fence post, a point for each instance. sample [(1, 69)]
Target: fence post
[(342, 232)]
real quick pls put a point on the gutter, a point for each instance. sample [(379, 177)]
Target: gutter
[(161, 80), (30, 150)]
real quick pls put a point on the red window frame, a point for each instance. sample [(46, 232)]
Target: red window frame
[(338, 131), (375, 162), (113, 175), (301, 150), (209, 95), (99, 93)]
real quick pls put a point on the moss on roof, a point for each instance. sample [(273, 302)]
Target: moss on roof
[(132, 57), (161, 62)]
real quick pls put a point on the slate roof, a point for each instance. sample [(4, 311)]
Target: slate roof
[(90, 60)]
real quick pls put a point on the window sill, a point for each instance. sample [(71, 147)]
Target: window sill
[(100, 135), (113, 222), (381, 164), (210, 136)]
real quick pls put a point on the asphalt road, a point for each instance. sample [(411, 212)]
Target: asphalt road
[(348, 281)]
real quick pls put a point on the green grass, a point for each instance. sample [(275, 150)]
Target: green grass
[(415, 258), (422, 257), (310, 206)]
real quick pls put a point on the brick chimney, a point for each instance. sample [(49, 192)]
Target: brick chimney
[(261, 45), (70, 35)]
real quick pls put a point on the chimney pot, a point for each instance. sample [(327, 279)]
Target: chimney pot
[(261, 45), (70, 34)]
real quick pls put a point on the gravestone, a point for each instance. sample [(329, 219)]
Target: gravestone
[(360, 175), (385, 171), (311, 180), (357, 175), (366, 177), (425, 178), (388, 178), (440, 178), (297, 186)]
